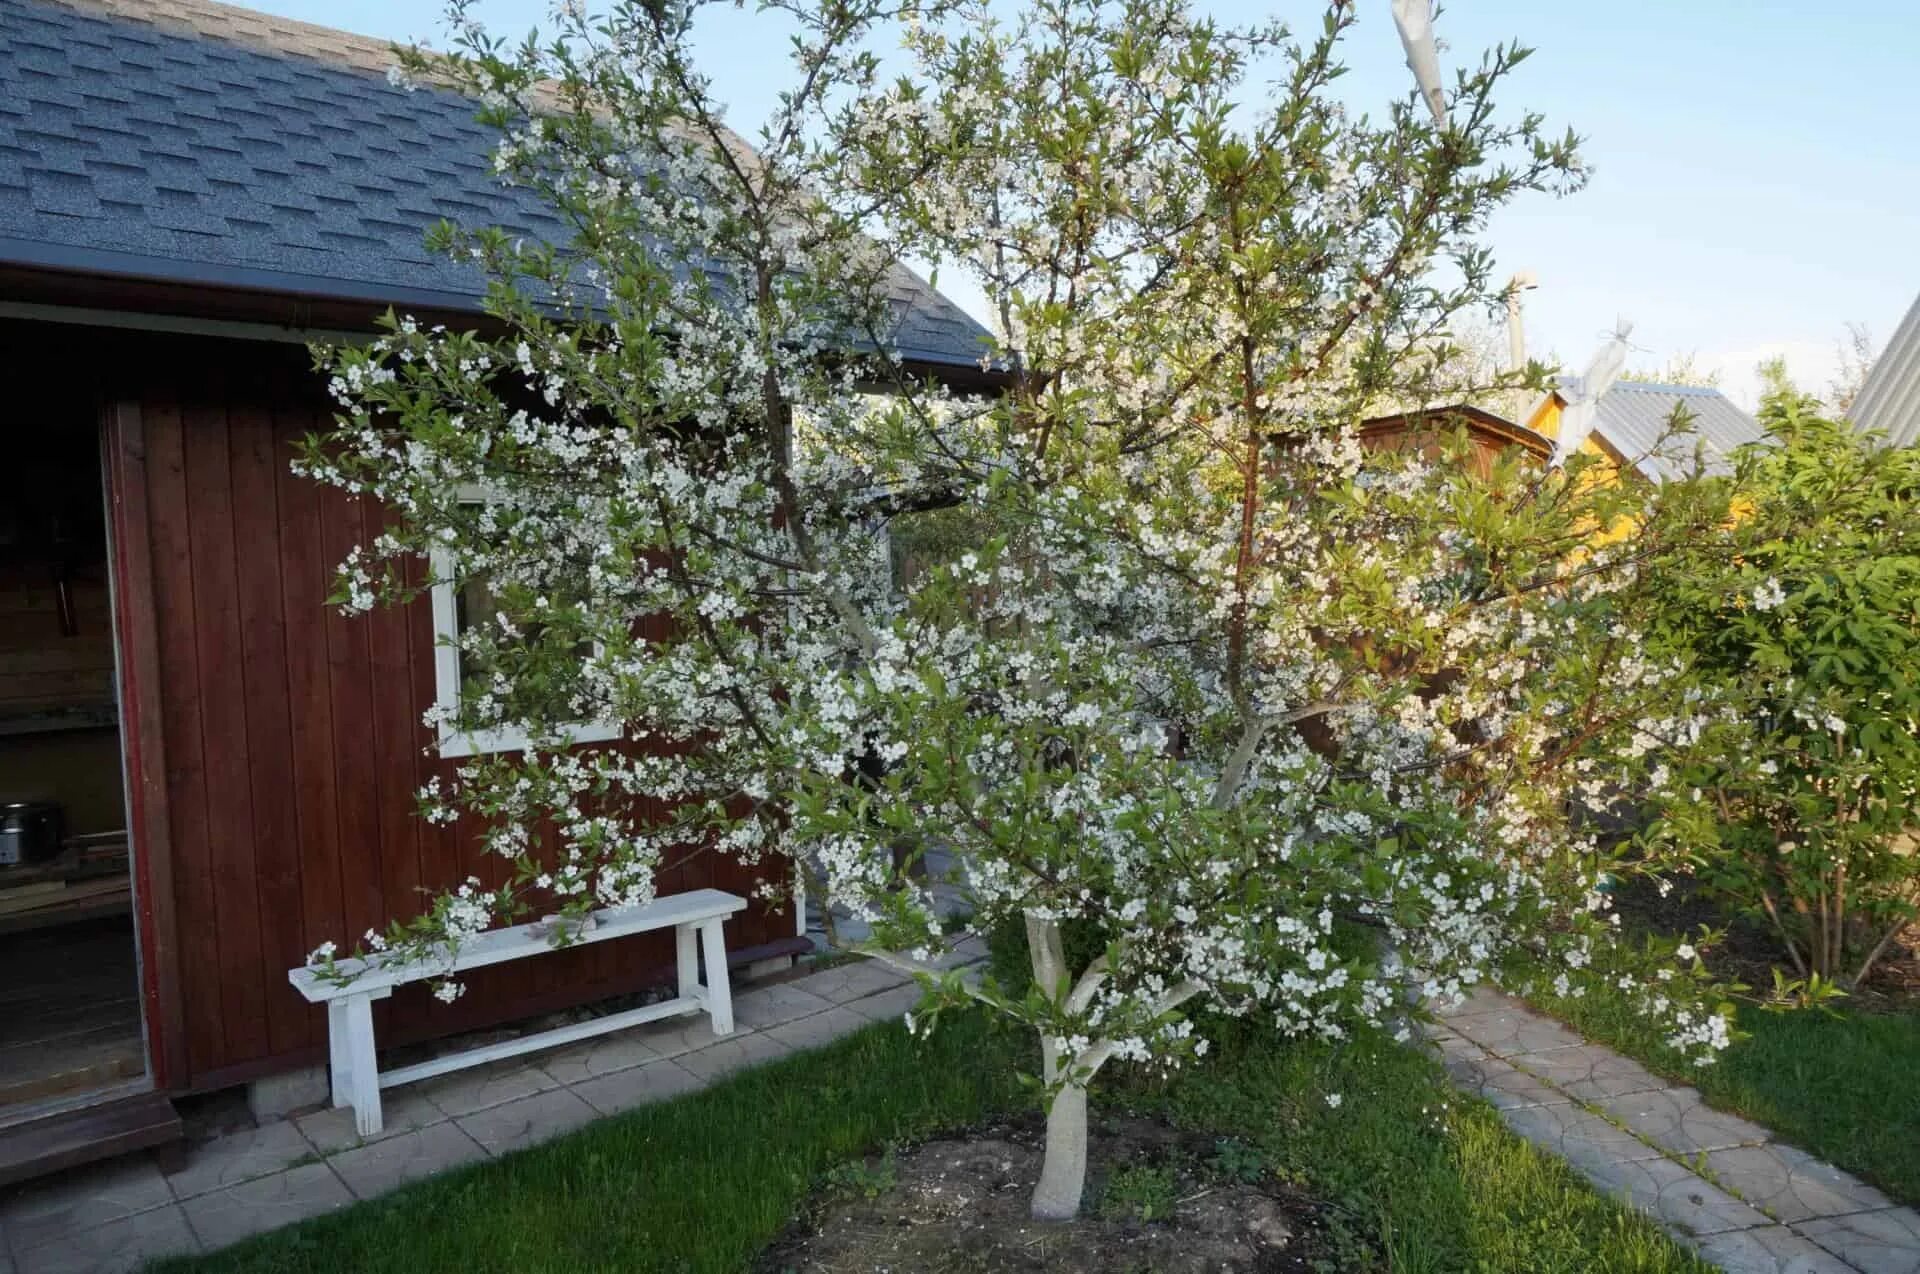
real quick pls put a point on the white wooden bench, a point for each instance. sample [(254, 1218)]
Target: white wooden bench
[(357, 1080)]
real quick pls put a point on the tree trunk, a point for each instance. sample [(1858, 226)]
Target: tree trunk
[(1064, 1173), (1063, 1176)]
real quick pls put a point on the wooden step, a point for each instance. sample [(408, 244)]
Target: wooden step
[(74, 1137)]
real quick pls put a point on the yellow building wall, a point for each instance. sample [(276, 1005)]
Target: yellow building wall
[(1546, 422), (1546, 417)]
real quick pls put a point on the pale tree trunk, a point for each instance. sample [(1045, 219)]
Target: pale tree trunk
[(1063, 1174)]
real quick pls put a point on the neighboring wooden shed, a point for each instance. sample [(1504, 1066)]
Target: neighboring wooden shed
[(188, 192), (1428, 432)]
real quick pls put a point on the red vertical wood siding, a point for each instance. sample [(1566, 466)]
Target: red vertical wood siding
[(292, 736)]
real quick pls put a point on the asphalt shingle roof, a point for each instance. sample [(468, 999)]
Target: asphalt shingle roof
[(201, 143), (1633, 416)]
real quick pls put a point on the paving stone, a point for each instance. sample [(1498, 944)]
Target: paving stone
[(1516, 1030), (772, 1005), (1490, 1042), (528, 1121), (1579, 1136), (1770, 1249), (1503, 1086), (402, 1110), (1477, 1002), (468, 1091), (265, 1203), (123, 1245), (1678, 1121), (636, 1086), (603, 1056), (819, 1029), (684, 1034), (1882, 1242), (237, 1157), (380, 1166), (1791, 1184), (1589, 1072), (969, 950), (890, 1005), (94, 1195), (852, 980), (1670, 1192), (731, 1054)]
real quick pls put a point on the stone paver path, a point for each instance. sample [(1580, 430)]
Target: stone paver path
[(1746, 1202), (117, 1215)]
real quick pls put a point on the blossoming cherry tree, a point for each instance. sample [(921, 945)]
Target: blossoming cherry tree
[(1218, 709)]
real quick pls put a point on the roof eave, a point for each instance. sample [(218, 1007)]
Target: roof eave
[(139, 283), (106, 264), (1475, 417)]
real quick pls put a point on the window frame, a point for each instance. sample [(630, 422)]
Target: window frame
[(452, 742)]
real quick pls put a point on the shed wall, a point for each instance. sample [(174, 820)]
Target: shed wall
[(292, 735)]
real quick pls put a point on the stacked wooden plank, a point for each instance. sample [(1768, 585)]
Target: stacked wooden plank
[(87, 880), (93, 1132)]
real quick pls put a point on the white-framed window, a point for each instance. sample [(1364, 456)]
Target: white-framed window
[(457, 604)]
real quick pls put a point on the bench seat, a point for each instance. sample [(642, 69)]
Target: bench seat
[(695, 917)]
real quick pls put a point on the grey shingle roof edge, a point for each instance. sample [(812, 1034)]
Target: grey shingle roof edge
[(197, 143), (126, 265), (1633, 416)]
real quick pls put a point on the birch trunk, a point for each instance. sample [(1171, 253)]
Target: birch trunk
[(1063, 1173)]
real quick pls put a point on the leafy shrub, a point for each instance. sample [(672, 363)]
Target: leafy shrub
[(1807, 615)]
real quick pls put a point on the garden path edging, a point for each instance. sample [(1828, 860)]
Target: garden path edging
[(1723, 1185)]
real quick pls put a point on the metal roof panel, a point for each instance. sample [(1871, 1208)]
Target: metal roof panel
[(1890, 399), (1635, 418)]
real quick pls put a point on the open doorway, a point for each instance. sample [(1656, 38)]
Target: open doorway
[(70, 1025)]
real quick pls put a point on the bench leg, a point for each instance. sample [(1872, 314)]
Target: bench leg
[(339, 1062), (719, 994), (363, 1076), (687, 958)]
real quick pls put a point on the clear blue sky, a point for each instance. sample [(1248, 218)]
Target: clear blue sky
[(1756, 162)]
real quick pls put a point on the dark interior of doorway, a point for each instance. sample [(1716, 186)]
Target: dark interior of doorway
[(69, 1005)]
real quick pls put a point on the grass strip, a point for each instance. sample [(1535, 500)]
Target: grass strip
[(1420, 1179)]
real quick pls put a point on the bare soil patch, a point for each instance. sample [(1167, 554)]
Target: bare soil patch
[(1158, 1199)]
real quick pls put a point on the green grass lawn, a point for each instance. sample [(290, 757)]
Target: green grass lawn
[(1845, 1087), (1424, 1180), (1434, 1180)]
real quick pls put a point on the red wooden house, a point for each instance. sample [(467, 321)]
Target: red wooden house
[(207, 770)]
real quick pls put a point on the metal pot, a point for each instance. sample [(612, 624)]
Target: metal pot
[(29, 832)]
